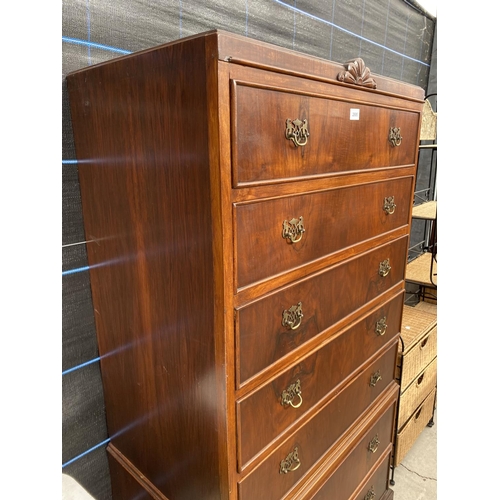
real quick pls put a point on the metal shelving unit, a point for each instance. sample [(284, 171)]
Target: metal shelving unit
[(421, 271)]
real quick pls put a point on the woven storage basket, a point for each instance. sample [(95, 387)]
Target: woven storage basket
[(419, 270), (416, 392), (412, 429), (429, 296), (419, 344), (429, 304), (425, 210)]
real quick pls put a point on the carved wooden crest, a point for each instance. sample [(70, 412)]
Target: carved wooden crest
[(357, 74)]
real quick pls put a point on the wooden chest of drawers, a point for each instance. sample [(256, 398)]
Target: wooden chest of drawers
[(247, 212)]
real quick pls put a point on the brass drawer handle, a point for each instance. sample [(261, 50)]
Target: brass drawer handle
[(395, 137), (389, 205), (370, 495), (296, 131), (373, 445), (293, 229), (291, 462), (381, 326), (288, 395), (384, 268), (376, 377), (291, 318)]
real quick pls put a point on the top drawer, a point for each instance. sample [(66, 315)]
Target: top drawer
[(341, 136)]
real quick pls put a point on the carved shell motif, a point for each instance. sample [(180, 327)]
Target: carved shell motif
[(357, 73)]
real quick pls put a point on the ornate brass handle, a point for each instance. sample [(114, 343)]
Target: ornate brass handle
[(291, 318), (296, 131), (293, 229), (375, 378), (395, 137), (381, 326), (288, 395), (384, 268), (373, 445), (291, 462), (370, 495), (389, 205)]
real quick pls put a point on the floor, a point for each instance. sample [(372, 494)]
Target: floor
[(416, 476), (72, 490)]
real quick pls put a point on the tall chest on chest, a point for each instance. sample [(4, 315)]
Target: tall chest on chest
[(247, 213)]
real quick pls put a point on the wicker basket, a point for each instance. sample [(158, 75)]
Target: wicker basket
[(425, 210), (419, 344), (416, 392), (419, 270), (428, 304), (416, 424)]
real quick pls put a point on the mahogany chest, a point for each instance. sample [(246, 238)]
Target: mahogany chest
[(247, 212)]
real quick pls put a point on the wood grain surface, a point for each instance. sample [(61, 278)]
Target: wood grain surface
[(186, 178)]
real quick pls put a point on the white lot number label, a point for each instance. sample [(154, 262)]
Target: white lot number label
[(354, 114)]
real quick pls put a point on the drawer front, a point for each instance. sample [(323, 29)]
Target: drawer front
[(341, 136), (284, 400), (304, 448), (269, 236), (378, 482), (416, 392), (342, 484), (270, 328), (415, 425), (417, 358), (362, 462)]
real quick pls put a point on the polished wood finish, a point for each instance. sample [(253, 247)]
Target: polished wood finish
[(344, 481), (323, 429), (262, 339), (333, 220), (319, 373), (377, 482), (186, 178), (247, 52), (151, 260), (127, 481), (352, 463), (336, 143)]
